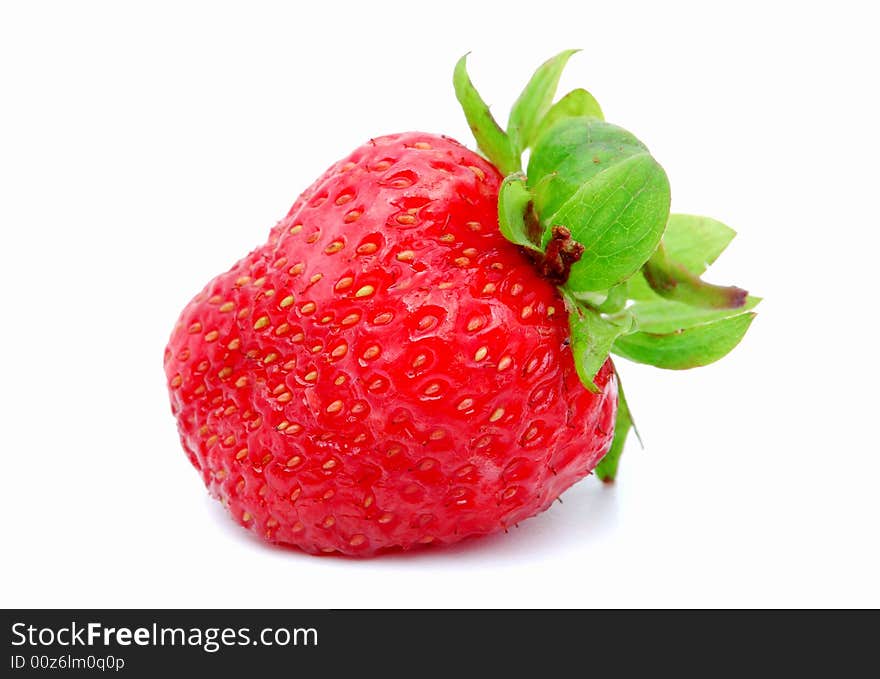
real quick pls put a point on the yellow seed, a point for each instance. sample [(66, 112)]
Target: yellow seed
[(329, 522), (406, 256), (227, 307), (383, 318), (296, 269), (285, 397), (550, 311), (474, 226), (294, 461), (261, 323), (488, 288), (352, 216), (469, 252), (234, 344), (212, 336), (478, 172), (240, 382), (317, 348), (242, 280), (351, 318), (329, 464), (224, 373), (357, 540), (296, 228), (475, 323), (516, 289), (314, 237), (229, 440), (447, 238), (367, 249), (326, 319), (339, 381), (371, 352), (270, 357), (424, 146), (211, 440), (432, 389), (444, 286), (312, 376), (365, 291), (344, 283), (280, 262), (339, 351), (298, 527), (527, 311), (437, 434), (481, 353), (419, 361), (462, 261), (386, 518), (465, 403), (297, 338), (195, 328), (282, 329), (314, 279), (497, 415), (308, 307), (246, 517), (259, 282), (504, 363), (283, 425), (405, 219), (176, 381)]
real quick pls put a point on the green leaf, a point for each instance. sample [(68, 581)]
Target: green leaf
[(664, 316), (606, 470), (618, 216), (535, 101), (491, 139), (571, 152), (515, 212), (688, 348), (592, 336), (695, 241), (576, 104)]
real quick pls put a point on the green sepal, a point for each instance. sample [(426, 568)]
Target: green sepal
[(618, 216), (491, 139), (672, 280), (571, 152), (694, 242), (615, 301), (686, 348), (535, 101), (516, 219), (576, 104), (662, 316), (606, 470), (592, 336)]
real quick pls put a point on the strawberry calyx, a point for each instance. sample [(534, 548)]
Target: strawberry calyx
[(592, 212)]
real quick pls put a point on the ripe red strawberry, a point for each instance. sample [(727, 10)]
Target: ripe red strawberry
[(389, 370)]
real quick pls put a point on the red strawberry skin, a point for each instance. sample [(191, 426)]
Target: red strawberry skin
[(387, 370)]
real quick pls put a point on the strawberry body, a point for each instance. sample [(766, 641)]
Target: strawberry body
[(387, 370)]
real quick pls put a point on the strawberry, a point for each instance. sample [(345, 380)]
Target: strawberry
[(419, 352)]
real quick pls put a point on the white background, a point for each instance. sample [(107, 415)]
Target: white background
[(145, 147)]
